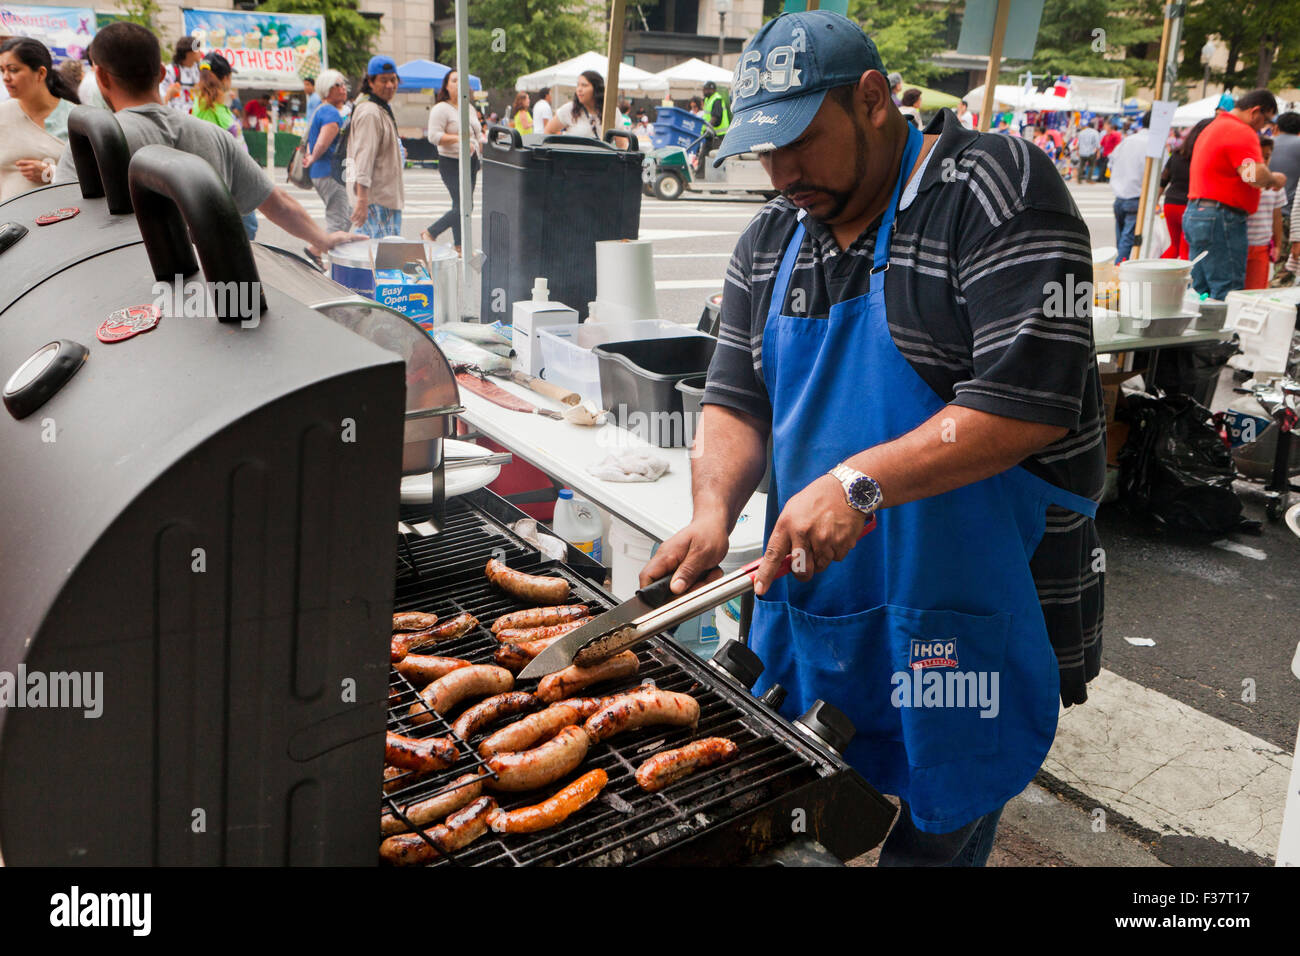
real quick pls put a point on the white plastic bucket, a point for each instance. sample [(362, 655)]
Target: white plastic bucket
[(629, 550), (1153, 288)]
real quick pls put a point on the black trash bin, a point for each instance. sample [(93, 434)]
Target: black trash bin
[(545, 207)]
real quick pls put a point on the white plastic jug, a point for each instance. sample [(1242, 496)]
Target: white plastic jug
[(578, 522)]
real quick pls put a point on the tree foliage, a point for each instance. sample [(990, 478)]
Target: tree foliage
[(1083, 37), (905, 33), (143, 12), (508, 38), (1261, 39), (349, 37)]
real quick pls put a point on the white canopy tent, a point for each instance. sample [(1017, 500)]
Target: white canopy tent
[(565, 76), (1010, 96), (1189, 114), (687, 77)]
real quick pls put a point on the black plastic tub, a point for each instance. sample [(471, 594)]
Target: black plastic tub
[(692, 389), (638, 384)]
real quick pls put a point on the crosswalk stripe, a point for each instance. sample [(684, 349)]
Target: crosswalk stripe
[(1171, 768)]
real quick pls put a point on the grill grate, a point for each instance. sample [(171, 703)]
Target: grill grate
[(625, 824)]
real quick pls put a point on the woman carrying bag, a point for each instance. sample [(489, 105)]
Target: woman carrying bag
[(444, 132)]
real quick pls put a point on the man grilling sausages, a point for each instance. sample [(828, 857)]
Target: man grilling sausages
[(911, 323)]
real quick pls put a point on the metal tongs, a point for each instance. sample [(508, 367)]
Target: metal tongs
[(650, 611)]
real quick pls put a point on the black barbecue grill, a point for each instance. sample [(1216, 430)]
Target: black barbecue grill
[(222, 684), (721, 815)]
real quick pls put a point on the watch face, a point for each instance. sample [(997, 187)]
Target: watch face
[(862, 494)]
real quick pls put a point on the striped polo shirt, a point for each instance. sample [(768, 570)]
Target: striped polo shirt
[(988, 296)]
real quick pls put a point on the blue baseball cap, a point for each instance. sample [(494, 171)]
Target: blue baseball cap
[(784, 73), (380, 64)]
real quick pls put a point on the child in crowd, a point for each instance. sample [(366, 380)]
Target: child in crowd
[(1264, 229)]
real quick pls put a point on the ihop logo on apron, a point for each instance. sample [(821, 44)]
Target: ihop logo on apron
[(933, 654)]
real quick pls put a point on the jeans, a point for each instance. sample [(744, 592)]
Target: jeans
[(250, 225), (1126, 216), (1220, 231), (449, 170), (966, 846)]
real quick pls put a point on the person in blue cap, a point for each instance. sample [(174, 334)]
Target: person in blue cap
[(373, 170), (910, 323)]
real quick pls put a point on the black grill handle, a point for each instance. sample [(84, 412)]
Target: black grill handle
[(628, 137), (173, 190), (101, 156), (505, 137)]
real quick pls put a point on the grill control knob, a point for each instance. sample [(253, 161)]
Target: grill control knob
[(829, 725), (44, 372), (774, 697), (739, 661)]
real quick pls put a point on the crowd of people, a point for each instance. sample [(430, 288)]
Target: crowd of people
[(1225, 203), (353, 153), (1227, 188)]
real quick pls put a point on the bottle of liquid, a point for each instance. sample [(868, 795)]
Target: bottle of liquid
[(577, 522)]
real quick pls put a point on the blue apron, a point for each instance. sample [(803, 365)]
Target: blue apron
[(929, 635)]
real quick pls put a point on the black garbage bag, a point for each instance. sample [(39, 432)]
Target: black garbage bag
[(1194, 370), (1175, 466)]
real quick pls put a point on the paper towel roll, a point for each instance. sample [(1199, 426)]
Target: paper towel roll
[(625, 278)]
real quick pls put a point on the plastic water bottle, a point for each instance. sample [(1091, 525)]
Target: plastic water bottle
[(577, 522)]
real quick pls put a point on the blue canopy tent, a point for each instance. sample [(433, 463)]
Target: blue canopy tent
[(420, 75)]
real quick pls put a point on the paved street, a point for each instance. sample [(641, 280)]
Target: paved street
[(1172, 760)]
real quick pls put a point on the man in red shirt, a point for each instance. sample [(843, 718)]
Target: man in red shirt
[(1227, 173), (255, 111)]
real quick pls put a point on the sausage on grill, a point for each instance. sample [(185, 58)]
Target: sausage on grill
[(466, 789), (552, 811), (532, 730), (540, 617), (517, 656), (672, 765), (523, 635), (477, 680), (574, 678), (404, 643), (421, 669), (430, 753), (413, 621), (493, 709), (536, 589), (643, 707), (460, 829), (546, 763), (397, 778)]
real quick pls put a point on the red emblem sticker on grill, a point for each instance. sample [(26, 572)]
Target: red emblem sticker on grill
[(58, 215), (128, 322)]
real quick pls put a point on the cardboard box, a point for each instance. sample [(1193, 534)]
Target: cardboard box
[(1112, 388), (403, 279), (1116, 436)]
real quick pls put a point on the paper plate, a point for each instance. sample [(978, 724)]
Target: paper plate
[(418, 489)]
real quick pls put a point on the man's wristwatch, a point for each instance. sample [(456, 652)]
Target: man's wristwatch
[(861, 491)]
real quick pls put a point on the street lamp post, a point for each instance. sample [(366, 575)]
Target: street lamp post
[(1207, 54), (723, 7)]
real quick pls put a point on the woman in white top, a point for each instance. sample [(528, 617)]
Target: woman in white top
[(34, 120), (581, 116), (444, 132)]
